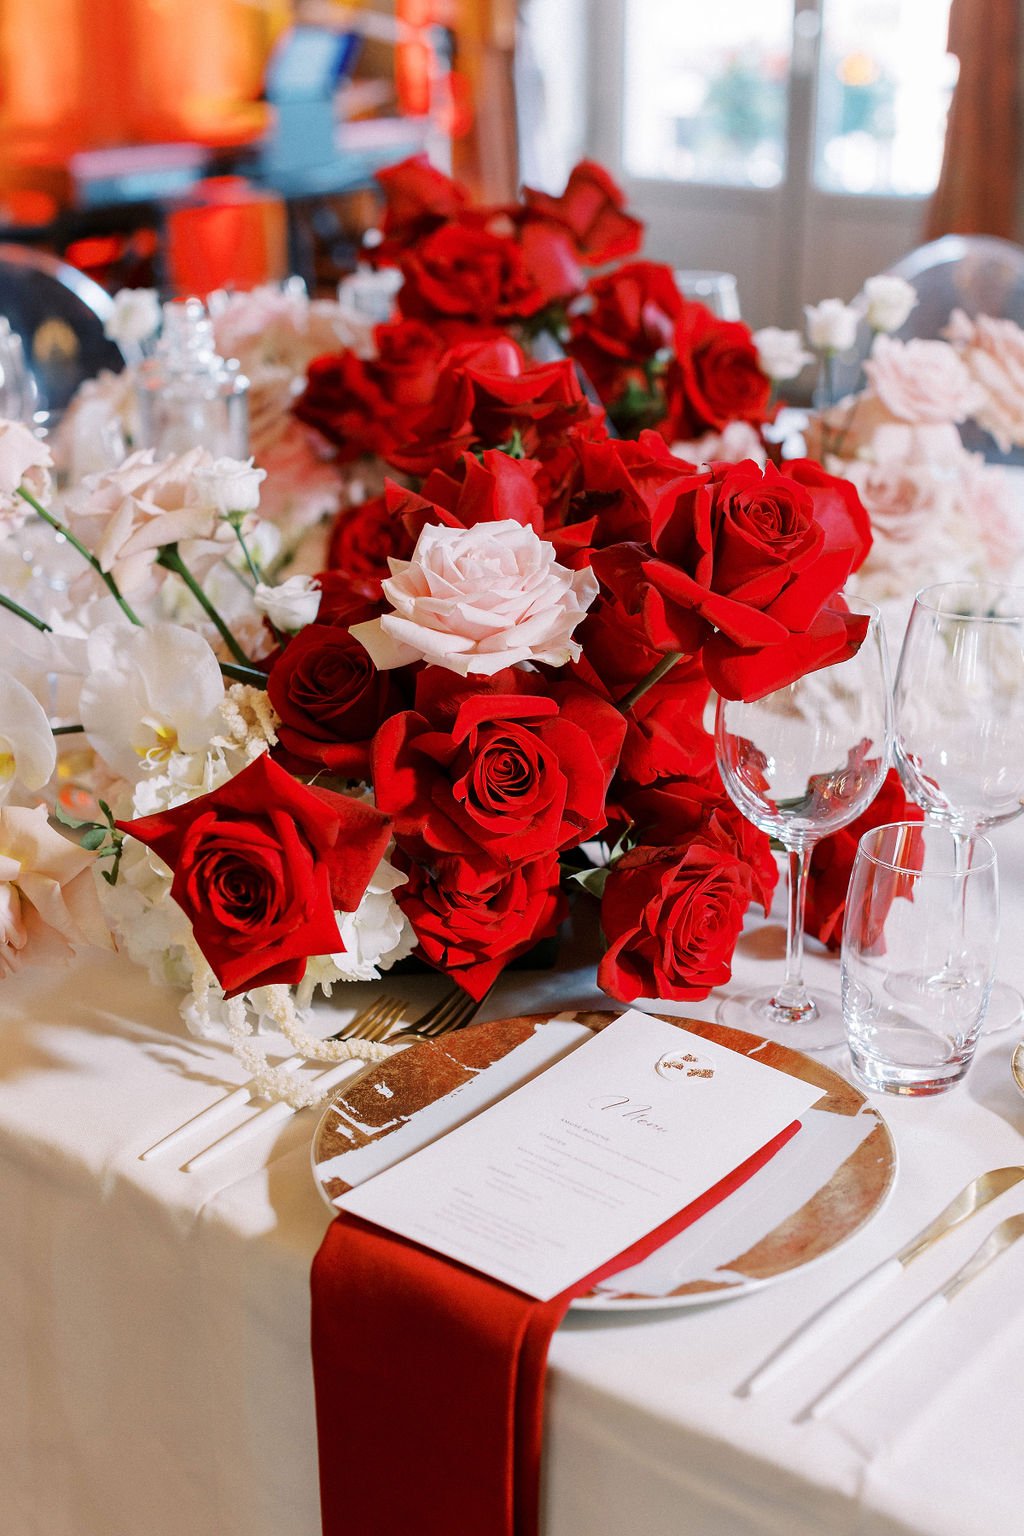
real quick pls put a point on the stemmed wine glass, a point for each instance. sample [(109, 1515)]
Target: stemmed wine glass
[(959, 711), (799, 764)]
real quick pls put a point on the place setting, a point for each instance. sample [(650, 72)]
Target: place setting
[(439, 694)]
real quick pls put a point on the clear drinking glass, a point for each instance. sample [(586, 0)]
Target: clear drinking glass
[(916, 911), (959, 719), (802, 763)]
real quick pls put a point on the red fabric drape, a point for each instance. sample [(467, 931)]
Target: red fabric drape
[(978, 184), (430, 1381)]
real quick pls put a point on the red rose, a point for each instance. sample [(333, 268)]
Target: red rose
[(831, 862), (462, 272), (331, 699), (496, 771), (616, 341), (260, 865), (471, 922), (671, 918), (342, 606), (620, 483), (674, 812), (489, 396), (491, 488), (362, 540), (665, 736), (716, 377), (748, 563), (369, 405), (418, 199), (592, 209)]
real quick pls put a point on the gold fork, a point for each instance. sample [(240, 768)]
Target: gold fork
[(454, 1010), (373, 1022)]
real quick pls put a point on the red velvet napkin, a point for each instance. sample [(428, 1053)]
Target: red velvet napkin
[(430, 1380)]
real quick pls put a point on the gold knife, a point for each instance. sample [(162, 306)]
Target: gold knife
[(997, 1242), (972, 1198)]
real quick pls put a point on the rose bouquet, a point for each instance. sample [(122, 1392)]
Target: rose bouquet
[(492, 693)]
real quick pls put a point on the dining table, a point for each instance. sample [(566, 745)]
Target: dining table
[(155, 1327)]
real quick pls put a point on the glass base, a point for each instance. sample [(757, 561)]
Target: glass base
[(881, 1075), (1005, 1009), (759, 1011)]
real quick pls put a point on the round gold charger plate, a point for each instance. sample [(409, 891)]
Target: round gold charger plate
[(812, 1196)]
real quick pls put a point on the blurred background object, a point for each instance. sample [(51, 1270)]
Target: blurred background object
[(802, 144)]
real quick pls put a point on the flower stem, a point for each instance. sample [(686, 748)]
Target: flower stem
[(171, 560), (66, 533), (66, 730), (251, 675), (655, 675), (236, 519), (23, 613)]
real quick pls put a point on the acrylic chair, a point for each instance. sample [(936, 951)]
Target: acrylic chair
[(58, 313), (976, 273)]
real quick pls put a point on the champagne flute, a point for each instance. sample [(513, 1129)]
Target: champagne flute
[(959, 711), (799, 764)]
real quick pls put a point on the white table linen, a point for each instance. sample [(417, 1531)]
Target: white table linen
[(155, 1373)]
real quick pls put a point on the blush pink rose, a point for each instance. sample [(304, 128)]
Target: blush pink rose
[(125, 515), (993, 353), (24, 460), (478, 600), (921, 381)]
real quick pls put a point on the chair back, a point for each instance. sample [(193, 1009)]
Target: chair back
[(58, 313), (980, 275), (976, 273)]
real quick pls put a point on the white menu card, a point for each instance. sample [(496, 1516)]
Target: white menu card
[(543, 1187)]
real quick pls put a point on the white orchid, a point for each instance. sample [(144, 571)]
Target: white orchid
[(150, 693), (28, 753)]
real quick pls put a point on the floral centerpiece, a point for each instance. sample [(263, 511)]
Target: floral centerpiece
[(486, 687)]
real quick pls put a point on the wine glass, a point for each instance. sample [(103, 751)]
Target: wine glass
[(959, 713), (799, 764)]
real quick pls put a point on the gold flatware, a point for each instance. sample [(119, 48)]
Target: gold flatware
[(370, 1024), (1017, 1065), (997, 1242), (454, 1009), (972, 1198)]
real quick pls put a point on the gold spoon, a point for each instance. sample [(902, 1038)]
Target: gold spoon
[(1017, 1063)]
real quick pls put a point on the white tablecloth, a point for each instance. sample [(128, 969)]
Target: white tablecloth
[(154, 1325)]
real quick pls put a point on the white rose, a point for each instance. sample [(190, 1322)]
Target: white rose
[(24, 460), (886, 302), (135, 316), (292, 604), (227, 485), (479, 599), (831, 325), (780, 353)]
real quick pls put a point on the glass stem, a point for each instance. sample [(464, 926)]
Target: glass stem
[(792, 995)]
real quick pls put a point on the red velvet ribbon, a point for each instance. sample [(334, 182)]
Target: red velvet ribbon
[(430, 1380)]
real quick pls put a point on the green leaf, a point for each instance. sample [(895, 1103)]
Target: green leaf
[(592, 880), (94, 838), (69, 821)]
